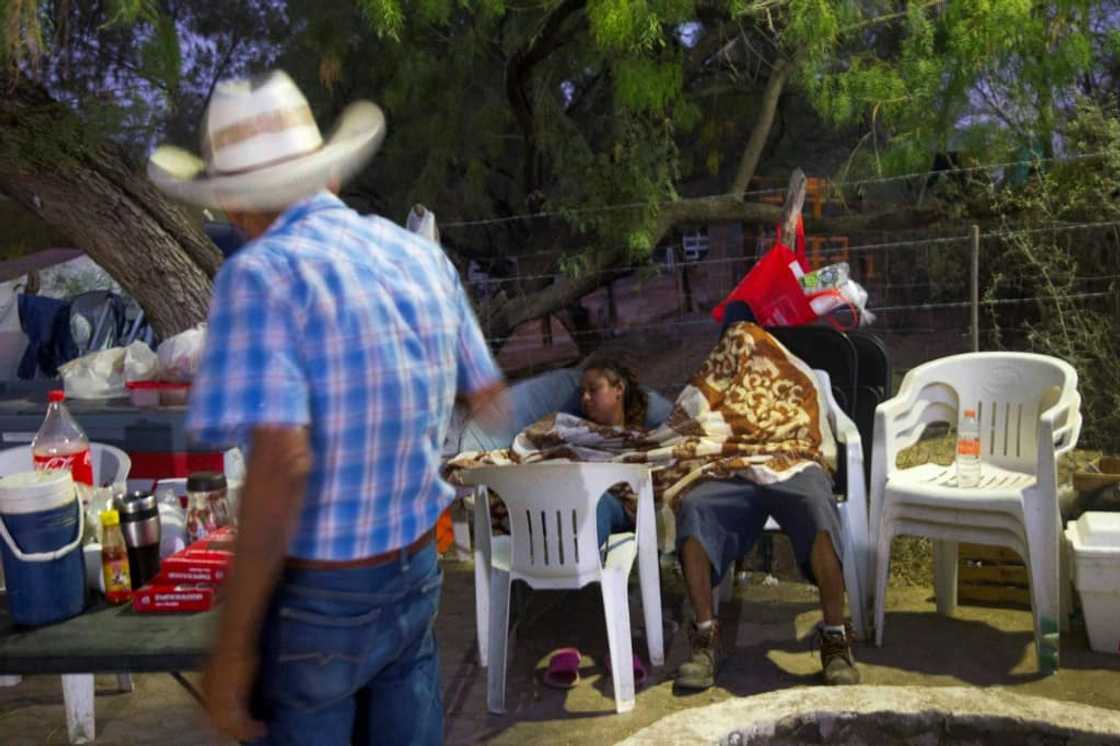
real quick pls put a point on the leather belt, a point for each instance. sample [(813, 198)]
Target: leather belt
[(376, 560)]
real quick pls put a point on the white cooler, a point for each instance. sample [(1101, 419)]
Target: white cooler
[(1095, 541)]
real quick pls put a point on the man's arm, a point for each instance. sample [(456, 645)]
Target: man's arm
[(279, 462), (478, 380), (490, 405)]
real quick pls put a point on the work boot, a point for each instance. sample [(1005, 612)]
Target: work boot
[(699, 671), (837, 664)]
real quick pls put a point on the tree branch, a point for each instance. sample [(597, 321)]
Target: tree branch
[(235, 42), (543, 43), (795, 201), (88, 190), (504, 315), (748, 164)]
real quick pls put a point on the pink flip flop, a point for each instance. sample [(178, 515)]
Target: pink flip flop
[(563, 668), (640, 673)]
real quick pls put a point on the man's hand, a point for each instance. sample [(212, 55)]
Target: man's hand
[(227, 685), (279, 461), (491, 406)]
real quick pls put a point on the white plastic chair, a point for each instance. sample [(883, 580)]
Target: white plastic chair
[(554, 545), (1028, 409), (110, 466), (853, 518)]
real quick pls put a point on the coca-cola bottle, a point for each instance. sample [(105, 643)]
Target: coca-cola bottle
[(61, 443)]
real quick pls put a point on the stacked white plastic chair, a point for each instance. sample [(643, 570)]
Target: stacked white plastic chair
[(554, 545), (853, 517), (1029, 414)]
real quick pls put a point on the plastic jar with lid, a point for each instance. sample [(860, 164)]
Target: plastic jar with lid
[(207, 504)]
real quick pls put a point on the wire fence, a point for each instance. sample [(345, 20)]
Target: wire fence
[(831, 186), (832, 252), (918, 287), (920, 284)]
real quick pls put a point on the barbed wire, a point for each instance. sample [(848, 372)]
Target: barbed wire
[(987, 302), (764, 236), (522, 341), (765, 192), (838, 251)]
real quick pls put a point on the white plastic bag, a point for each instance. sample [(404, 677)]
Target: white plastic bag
[(836, 277), (103, 374), (172, 524), (423, 221), (179, 355), (98, 375), (140, 363)]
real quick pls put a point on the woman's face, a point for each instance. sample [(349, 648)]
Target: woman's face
[(601, 400)]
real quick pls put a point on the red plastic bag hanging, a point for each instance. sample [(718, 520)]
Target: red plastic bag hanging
[(771, 289)]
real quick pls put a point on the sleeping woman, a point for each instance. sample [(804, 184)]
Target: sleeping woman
[(611, 396)]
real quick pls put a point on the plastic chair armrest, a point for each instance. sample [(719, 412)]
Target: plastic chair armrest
[(1059, 428)]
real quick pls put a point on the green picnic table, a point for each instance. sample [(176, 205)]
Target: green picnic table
[(105, 639)]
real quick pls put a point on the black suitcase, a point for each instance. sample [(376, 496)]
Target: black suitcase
[(873, 388), (827, 349)]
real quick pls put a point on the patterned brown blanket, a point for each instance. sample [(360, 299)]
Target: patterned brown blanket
[(753, 410)]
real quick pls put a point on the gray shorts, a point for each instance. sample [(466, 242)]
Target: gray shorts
[(727, 517)]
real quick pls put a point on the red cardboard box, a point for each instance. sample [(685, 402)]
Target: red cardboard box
[(193, 569), (205, 562), (157, 599)]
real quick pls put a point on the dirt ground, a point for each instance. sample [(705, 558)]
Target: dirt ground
[(767, 636)]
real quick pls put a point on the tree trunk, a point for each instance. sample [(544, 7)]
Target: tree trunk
[(52, 165), (771, 95), (581, 327)]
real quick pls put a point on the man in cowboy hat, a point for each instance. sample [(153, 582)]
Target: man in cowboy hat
[(335, 347)]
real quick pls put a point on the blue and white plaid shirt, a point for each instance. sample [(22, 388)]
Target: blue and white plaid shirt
[(361, 331)]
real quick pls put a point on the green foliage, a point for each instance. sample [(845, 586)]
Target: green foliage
[(913, 74), (624, 25), (23, 33), (133, 11), (162, 58), (644, 85), (625, 103), (385, 16), (1060, 268)]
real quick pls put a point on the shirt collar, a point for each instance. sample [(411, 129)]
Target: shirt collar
[(322, 200)]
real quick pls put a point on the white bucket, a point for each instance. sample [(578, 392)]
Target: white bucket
[(1095, 539)]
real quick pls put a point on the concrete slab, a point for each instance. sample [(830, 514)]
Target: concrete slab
[(886, 716)]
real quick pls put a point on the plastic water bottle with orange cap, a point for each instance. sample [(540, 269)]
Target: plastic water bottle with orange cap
[(968, 449)]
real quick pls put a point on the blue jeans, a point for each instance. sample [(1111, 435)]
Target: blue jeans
[(611, 518), (349, 656)]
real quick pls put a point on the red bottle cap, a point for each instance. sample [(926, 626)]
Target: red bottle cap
[(56, 395), (970, 413)]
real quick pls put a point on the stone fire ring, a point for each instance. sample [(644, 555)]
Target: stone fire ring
[(886, 715)]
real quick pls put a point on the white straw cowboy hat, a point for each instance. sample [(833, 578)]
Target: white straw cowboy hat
[(261, 148)]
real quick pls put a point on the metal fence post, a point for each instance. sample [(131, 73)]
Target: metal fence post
[(975, 288)]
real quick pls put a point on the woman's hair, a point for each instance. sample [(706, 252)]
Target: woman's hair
[(635, 401)]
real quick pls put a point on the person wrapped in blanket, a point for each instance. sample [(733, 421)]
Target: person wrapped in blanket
[(748, 438), (719, 521)]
